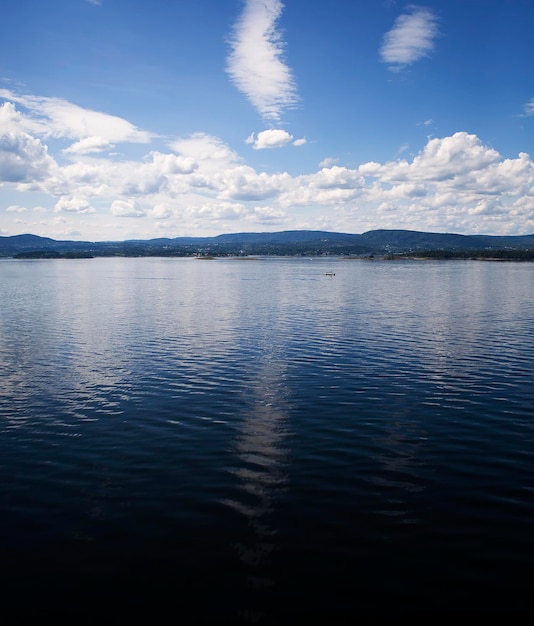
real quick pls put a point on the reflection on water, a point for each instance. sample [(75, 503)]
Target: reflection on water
[(357, 441), (260, 455), (262, 458)]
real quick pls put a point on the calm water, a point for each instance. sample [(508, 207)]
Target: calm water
[(253, 441)]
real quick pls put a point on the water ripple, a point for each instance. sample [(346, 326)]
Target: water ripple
[(368, 438)]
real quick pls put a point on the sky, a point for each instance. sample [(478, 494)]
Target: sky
[(138, 119)]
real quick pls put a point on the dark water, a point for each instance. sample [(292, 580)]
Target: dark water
[(252, 441)]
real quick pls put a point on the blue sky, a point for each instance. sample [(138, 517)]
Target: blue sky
[(124, 119)]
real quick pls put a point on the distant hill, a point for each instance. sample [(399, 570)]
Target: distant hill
[(295, 242), (404, 241)]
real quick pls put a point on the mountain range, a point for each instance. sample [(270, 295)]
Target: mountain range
[(296, 242)]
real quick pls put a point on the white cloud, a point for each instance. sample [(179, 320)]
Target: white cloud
[(255, 63), (75, 205), (371, 168), (442, 159), (272, 138), (207, 151), (244, 183), (55, 117), (126, 208), (221, 211), (172, 164), (89, 145), (315, 195), (267, 215), (337, 177), (454, 183), (501, 178), (22, 157), (411, 38), (160, 212)]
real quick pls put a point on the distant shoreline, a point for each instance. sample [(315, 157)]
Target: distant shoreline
[(481, 256), (376, 244)]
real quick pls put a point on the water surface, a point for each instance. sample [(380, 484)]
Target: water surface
[(281, 443)]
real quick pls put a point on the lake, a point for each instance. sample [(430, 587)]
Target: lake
[(254, 441)]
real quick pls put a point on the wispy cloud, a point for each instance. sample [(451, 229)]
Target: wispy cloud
[(328, 162), (255, 63), (528, 109), (88, 145), (55, 117), (411, 38)]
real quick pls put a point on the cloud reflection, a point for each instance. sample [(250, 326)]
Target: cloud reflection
[(261, 461)]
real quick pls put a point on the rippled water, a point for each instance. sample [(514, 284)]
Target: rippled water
[(253, 441)]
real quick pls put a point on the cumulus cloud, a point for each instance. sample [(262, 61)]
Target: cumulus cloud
[(172, 164), (411, 38), (206, 151), (371, 168), (312, 194), (454, 183), (55, 117), (255, 63), (126, 208), (74, 205), (443, 159), (160, 212), (221, 211), (267, 215), (336, 177), (244, 183), (22, 157), (272, 138)]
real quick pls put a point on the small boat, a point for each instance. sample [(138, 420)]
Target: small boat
[(330, 274)]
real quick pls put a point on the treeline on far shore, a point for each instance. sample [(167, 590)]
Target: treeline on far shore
[(52, 254), (489, 255)]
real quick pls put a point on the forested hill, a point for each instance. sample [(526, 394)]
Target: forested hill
[(297, 242)]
